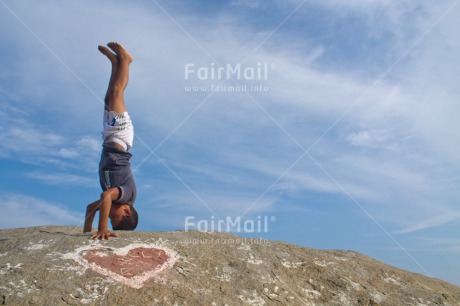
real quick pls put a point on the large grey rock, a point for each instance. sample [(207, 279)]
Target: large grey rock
[(44, 266)]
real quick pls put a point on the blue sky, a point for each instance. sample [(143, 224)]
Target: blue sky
[(353, 144)]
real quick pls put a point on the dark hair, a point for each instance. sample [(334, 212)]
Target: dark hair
[(128, 223)]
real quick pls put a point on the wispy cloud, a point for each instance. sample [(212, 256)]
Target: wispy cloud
[(63, 179), (22, 210), (438, 220), (252, 4), (444, 245), (228, 204), (25, 138), (383, 151)]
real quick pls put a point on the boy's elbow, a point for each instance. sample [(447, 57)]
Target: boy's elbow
[(106, 194), (111, 194)]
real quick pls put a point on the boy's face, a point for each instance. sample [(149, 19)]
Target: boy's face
[(117, 212)]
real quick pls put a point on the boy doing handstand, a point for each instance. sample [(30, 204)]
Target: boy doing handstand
[(115, 176)]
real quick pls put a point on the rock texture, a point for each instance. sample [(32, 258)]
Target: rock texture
[(60, 266)]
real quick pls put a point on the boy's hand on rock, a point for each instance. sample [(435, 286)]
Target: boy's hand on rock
[(103, 234)]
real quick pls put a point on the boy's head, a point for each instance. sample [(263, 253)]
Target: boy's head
[(123, 217)]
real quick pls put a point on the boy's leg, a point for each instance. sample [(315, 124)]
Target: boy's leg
[(114, 60), (115, 92), (117, 127)]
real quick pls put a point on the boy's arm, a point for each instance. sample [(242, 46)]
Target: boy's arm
[(105, 203), (89, 216)]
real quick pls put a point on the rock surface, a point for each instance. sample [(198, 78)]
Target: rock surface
[(60, 265)]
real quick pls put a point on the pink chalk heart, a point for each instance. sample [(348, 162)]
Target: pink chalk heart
[(132, 265)]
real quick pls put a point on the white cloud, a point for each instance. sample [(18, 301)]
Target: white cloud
[(389, 120), (223, 203), (369, 138), (252, 4), (447, 245), (63, 179), (89, 144), (28, 139), (24, 138), (22, 211), (436, 221), (170, 209)]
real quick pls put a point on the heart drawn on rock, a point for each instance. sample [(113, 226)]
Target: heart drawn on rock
[(132, 265)]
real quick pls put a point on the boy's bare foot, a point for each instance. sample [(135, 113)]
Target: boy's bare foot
[(122, 53), (112, 57)]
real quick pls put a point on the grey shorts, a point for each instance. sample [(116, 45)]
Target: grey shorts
[(118, 128)]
